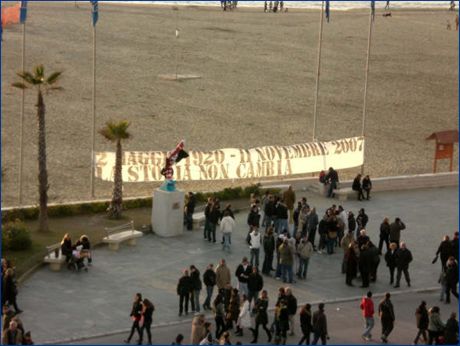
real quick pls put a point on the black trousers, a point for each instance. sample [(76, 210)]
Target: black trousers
[(387, 328), (392, 274), (451, 288), (220, 326), (146, 326), (384, 240), (365, 278), (268, 262), (306, 336), (404, 270), (135, 327), (317, 336), (182, 298), (256, 331)]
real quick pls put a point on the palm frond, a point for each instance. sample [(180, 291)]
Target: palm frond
[(28, 77), (19, 85), (116, 131), (40, 73), (55, 88), (53, 78)]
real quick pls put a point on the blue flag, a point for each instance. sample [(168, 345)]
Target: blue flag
[(373, 9), (95, 11), (23, 12), (328, 12)]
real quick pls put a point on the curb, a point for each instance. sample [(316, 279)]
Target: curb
[(189, 320)]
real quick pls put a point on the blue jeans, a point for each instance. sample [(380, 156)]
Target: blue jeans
[(196, 300), (207, 302), (332, 187), (369, 325), (303, 266), (286, 273), (330, 245), (227, 240), (255, 257), (282, 225)]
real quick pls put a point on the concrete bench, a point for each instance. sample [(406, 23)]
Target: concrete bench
[(345, 193), (54, 257), (116, 235), (199, 219)]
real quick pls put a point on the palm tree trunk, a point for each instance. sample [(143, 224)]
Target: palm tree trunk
[(42, 172), (117, 198)]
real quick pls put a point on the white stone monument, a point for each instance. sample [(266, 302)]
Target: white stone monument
[(168, 213)]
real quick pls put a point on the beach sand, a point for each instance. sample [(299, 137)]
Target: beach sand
[(257, 88)]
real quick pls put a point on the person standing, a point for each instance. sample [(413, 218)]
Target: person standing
[(214, 217), (451, 278), (455, 247), (332, 179), (10, 290), (199, 331), (12, 335), (291, 302), (451, 331), (223, 276), (403, 258), (387, 317), (189, 210), (207, 213), (269, 249), (435, 325), (289, 198), (421, 316), (367, 186), (351, 222), (233, 310), (387, 5), (219, 315), (254, 217), (184, 288), (227, 226), (384, 234), (136, 313), (319, 325), (395, 230), (367, 306), (261, 317), (445, 250), (362, 219), (356, 186), (269, 212), (147, 312), (312, 224), (281, 217), (242, 274), (254, 245), (255, 284), (345, 245), (352, 263), (304, 250), (364, 263), (209, 279), (244, 318), (196, 288), (286, 261), (390, 259), (305, 324)]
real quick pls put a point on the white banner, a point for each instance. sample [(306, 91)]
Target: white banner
[(231, 163)]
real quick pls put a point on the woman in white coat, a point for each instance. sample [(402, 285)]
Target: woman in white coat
[(244, 318)]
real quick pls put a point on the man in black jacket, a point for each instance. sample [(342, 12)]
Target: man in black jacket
[(403, 258), (242, 274), (189, 210), (395, 230), (209, 279), (196, 288), (255, 284), (332, 178), (270, 211), (292, 308), (451, 278), (319, 323), (184, 288)]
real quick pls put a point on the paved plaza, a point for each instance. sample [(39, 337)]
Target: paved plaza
[(66, 306)]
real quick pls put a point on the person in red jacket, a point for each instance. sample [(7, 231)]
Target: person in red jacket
[(367, 306)]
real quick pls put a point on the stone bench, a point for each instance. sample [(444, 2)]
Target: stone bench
[(116, 235), (199, 219), (345, 193), (54, 257)]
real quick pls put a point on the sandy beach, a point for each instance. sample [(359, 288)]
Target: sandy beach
[(257, 88)]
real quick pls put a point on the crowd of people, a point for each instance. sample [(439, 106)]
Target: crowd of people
[(274, 6), (13, 332)]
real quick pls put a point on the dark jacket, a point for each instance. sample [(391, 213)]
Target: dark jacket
[(421, 315), (452, 274), (365, 261), (305, 321), (445, 250), (395, 231), (386, 311), (332, 176), (66, 248), (191, 204), (390, 258), (319, 322), (255, 282), (281, 211), (148, 314), (10, 289), (291, 304), (260, 310), (209, 277), (241, 273), (195, 279), (403, 258), (451, 332), (254, 218), (312, 222), (136, 310), (351, 223), (384, 230), (214, 215), (269, 244), (362, 220), (270, 208), (356, 186), (367, 183), (184, 286), (455, 248)]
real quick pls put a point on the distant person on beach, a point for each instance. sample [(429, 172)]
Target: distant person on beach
[(387, 6), (456, 22), (452, 5), (271, 6), (265, 6), (281, 6), (275, 8)]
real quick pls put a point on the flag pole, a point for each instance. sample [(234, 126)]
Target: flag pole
[(177, 37), (94, 112), (21, 137), (369, 39), (318, 71)]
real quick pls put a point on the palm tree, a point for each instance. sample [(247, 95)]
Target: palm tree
[(116, 132), (38, 81)]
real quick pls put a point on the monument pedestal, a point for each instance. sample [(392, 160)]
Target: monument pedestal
[(168, 213)]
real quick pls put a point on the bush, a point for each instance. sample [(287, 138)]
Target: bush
[(15, 236)]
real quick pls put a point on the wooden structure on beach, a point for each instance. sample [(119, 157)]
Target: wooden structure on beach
[(444, 146)]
